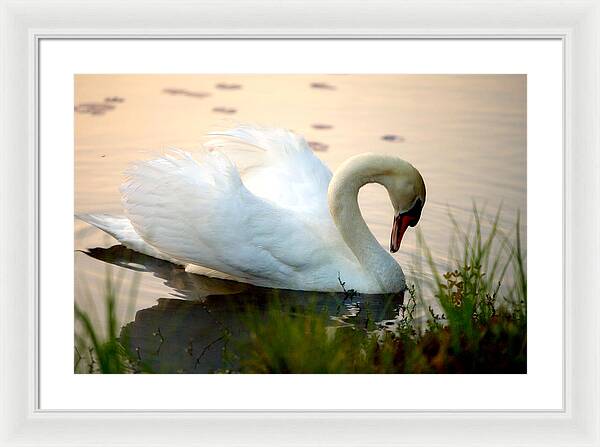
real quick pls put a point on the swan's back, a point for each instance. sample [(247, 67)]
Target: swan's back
[(254, 207)]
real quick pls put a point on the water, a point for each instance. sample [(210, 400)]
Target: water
[(466, 134)]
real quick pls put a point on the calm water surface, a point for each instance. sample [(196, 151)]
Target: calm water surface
[(466, 135)]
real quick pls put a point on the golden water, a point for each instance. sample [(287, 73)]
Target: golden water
[(466, 134)]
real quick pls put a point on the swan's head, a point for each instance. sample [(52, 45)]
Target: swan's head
[(403, 182), (406, 189)]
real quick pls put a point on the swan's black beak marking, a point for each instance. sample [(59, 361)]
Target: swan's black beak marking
[(402, 221)]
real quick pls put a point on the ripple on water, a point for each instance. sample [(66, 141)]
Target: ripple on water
[(93, 108), (228, 86), (225, 110), (321, 126), (317, 146), (184, 92), (322, 86), (393, 138)]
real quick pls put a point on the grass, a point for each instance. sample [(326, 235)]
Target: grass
[(477, 323), (101, 351)]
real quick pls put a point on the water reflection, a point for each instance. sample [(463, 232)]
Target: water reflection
[(189, 333)]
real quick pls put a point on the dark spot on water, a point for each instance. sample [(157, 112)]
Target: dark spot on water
[(393, 138), (103, 155), (93, 108), (321, 126), (318, 147), (116, 99), (322, 86), (184, 92), (227, 110), (228, 86)]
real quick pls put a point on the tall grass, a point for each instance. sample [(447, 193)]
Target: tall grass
[(475, 322), (99, 350)]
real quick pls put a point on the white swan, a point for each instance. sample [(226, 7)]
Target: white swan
[(276, 218)]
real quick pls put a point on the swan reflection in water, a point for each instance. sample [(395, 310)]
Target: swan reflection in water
[(188, 333)]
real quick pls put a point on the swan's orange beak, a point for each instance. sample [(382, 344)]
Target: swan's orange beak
[(401, 222)]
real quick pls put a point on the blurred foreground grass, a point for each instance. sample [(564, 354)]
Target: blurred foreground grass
[(478, 323)]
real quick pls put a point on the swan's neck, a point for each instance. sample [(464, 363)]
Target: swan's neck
[(344, 209)]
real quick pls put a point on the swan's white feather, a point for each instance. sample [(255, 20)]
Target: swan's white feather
[(277, 165), (121, 229), (200, 212)]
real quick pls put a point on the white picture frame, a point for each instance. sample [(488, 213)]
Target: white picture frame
[(23, 24)]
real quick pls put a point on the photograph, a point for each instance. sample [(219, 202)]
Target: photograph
[(300, 223)]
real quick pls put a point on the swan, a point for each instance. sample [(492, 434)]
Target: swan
[(259, 207)]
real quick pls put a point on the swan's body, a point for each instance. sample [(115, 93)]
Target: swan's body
[(276, 218)]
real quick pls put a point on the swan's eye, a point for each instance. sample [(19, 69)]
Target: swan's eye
[(415, 212)]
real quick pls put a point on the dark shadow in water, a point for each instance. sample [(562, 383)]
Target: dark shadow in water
[(189, 334), (228, 86), (117, 99), (226, 110), (94, 108), (321, 126), (99, 108), (322, 86), (393, 138), (184, 92)]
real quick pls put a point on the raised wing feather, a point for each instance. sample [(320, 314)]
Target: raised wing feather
[(277, 165)]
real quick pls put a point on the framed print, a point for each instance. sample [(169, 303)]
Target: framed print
[(310, 176), (320, 231)]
